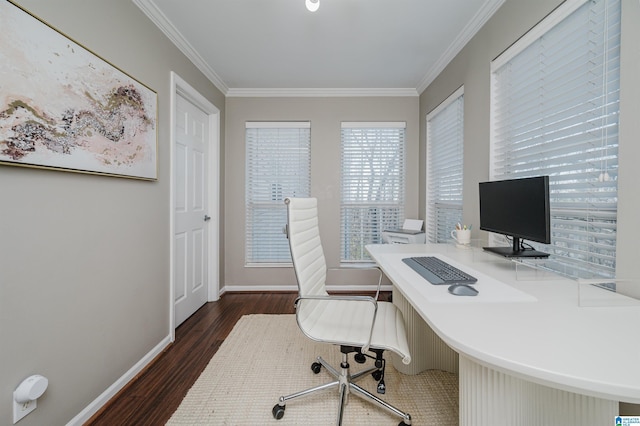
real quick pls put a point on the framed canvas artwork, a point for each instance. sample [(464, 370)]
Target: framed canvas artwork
[(64, 107)]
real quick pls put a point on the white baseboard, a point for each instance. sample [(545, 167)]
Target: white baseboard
[(257, 288), (294, 288), (357, 288), (100, 401)]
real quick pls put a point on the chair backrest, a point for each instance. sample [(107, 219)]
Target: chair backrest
[(305, 245)]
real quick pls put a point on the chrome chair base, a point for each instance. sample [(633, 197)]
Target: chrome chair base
[(346, 384)]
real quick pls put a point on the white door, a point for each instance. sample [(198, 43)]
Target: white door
[(191, 215)]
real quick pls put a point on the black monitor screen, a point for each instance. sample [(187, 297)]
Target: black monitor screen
[(518, 208)]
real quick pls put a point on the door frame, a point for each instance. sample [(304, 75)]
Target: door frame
[(184, 89)]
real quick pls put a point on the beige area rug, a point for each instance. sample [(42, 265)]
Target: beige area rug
[(267, 356)]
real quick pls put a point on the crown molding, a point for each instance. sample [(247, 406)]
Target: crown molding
[(317, 93), (484, 14), (149, 8)]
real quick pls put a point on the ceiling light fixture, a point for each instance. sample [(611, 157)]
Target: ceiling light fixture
[(312, 5)]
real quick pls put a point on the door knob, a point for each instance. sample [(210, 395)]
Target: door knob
[(207, 218)]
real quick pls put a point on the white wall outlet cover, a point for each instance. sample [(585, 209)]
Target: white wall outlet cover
[(26, 394), (21, 409)]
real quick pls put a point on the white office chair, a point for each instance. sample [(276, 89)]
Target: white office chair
[(359, 324)]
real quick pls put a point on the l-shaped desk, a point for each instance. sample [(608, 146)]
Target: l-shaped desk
[(526, 352)]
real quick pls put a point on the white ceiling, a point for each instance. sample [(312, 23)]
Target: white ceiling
[(277, 47)]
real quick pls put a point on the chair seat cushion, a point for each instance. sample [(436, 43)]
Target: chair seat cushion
[(348, 322)]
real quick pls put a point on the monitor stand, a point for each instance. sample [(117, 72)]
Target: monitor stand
[(516, 251)]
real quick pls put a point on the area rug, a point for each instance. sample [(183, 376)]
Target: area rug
[(267, 356)]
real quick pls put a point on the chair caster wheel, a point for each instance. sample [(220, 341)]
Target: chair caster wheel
[(360, 358), (315, 367), (377, 375), (278, 411)]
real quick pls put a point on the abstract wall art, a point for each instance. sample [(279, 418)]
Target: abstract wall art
[(64, 107)]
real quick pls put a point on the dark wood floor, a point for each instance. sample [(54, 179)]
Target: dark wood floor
[(152, 397)]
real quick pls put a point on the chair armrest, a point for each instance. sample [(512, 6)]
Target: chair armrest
[(367, 268), (340, 297), (349, 298)]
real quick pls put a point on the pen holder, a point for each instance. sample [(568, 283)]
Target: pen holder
[(462, 236)]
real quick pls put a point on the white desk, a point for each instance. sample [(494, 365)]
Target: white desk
[(525, 351)]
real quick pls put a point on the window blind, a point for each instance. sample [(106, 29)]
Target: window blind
[(555, 106), (445, 141), (278, 165), (373, 185)]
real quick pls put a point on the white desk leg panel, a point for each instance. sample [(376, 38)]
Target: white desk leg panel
[(491, 398), (428, 351)]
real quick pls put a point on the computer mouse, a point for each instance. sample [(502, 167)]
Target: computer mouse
[(462, 290)]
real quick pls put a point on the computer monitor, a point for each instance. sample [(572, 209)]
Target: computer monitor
[(517, 208)]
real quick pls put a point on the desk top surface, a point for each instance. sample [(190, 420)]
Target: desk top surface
[(534, 329)]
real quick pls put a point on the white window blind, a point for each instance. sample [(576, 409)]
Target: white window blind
[(278, 165), (373, 182), (445, 141), (555, 105)]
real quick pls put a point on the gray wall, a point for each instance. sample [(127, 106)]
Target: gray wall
[(84, 259), (325, 115), (629, 150)]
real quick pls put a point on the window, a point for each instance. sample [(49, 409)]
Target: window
[(555, 105), (372, 171), (445, 141), (278, 165)]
